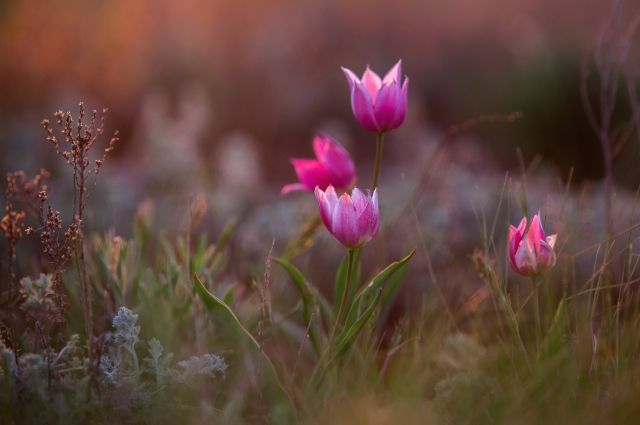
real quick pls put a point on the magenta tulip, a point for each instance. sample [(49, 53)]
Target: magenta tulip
[(353, 220), (531, 254), (378, 104), (332, 166)]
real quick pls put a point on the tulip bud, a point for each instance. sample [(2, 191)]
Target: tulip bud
[(378, 104), (531, 254), (352, 219), (332, 166)]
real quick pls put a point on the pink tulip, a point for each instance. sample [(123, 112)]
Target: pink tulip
[(333, 166), (353, 220), (379, 104), (531, 254)]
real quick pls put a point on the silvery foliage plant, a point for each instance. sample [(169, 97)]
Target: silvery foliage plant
[(58, 387)]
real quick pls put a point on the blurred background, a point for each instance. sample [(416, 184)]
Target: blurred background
[(265, 74), (211, 98)]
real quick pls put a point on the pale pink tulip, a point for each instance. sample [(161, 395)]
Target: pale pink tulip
[(332, 166), (379, 104), (532, 253), (352, 219)]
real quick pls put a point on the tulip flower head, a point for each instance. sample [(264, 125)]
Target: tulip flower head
[(332, 166), (379, 104), (352, 219), (532, 253)]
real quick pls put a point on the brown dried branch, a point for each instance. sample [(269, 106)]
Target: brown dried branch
[(610, 62), (75, 144)]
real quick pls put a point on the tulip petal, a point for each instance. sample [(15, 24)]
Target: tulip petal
[(401, 109), (535, 233), (372, 83), (374, 199), (546, 256), (515, 240), (551, 240), (332, 198), (352, 78), (344, 222), (325, 206), (362, 107), (365, 222), (293, 187), (360, 201), (512, 231), (386, 105), (311, 173), (512, 245), (369, 218), (526, 262), (321, 144), (394, 74), (336, 160), (375, 224)]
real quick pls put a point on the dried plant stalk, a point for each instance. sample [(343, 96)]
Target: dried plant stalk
[(78, 137)]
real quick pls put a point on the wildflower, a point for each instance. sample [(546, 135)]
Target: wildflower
[(352, 219), (333, 166), (531, 254), (378, 104)]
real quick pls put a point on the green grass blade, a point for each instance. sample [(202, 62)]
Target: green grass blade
[(212, 302), (376, 283), (350, 333), (309, 304)]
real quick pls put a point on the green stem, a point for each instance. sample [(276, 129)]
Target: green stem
[(376, 170), (345, 293), (325, 359), (536, 281)]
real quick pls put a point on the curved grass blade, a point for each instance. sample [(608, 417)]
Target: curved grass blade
[(389, 292), (348, 336), (309, 305), (212, 302), (344, 340), (376, 283)]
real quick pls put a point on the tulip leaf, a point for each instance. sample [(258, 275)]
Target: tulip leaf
[(350, 333), (341, 279), (228, 296), (309, 305), (378, 282), (389, 292), (213, 303)]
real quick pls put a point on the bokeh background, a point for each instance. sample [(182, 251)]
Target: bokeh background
[(268, 72), (211, 98)]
